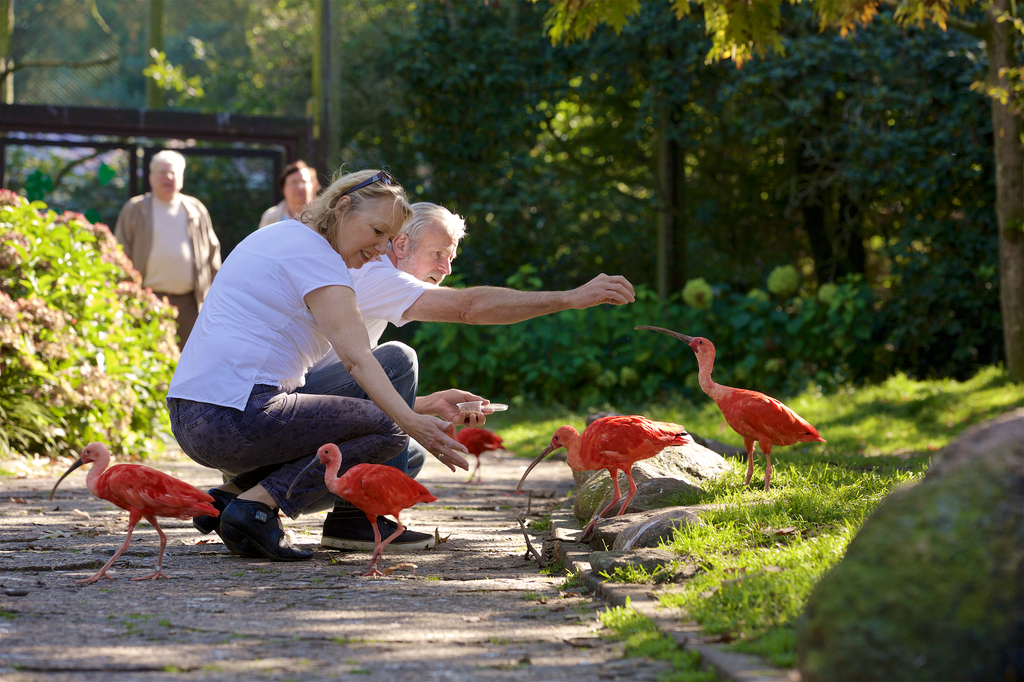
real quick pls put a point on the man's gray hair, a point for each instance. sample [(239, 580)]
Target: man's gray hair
[(170, 156), (425, 213)]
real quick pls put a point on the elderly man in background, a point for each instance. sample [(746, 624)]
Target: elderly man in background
[(170, 240), (403, 287), (296, 184)]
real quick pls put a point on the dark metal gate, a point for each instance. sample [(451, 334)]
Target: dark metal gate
[(232, 161)]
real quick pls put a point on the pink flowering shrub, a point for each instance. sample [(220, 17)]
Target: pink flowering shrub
[(85, 352)]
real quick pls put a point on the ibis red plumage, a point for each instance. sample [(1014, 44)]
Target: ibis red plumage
[(753, 415), (376, 489), (614, 443), (143, 492), (478, 441)]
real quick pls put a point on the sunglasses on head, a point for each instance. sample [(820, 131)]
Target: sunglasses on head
[(382, 176)]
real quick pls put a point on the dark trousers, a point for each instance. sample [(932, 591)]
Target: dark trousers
[(188, 313)]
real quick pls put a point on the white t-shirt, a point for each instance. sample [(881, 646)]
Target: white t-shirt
[(383, 293), (170, 268), (254, 327)]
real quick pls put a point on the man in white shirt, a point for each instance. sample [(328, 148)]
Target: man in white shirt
[(403, 287), (170, 240)]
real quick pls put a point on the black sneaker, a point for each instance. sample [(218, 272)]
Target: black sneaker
[(350, 529)]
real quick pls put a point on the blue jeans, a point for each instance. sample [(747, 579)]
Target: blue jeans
[(278, 434), (400, 364)]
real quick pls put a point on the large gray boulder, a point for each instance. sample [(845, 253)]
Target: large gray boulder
[(932, 587), (641, 529), (671, 477)]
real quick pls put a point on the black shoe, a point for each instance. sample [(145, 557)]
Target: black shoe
[(350, 529), (248, 524), (208, 524), (205, 524)]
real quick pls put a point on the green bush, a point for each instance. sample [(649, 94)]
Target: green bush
[(585, 358), (85, 353)]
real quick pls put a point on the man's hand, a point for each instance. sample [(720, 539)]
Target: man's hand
[(614, 289)]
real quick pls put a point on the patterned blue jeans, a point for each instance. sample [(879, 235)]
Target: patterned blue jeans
[(277, 435)]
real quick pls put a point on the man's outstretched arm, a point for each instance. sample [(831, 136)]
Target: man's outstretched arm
[(497, 305)]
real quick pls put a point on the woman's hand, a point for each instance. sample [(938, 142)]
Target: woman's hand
[(438, 437), (445, 404)]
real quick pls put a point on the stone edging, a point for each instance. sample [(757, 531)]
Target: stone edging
[(728, 665)]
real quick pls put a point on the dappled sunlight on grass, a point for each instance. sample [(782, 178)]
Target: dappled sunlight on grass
[(761, 553), (901, 417)]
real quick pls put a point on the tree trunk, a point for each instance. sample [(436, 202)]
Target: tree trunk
[(155, 93), (6, 53), (671, 227), (1006, 128), (326, 104)]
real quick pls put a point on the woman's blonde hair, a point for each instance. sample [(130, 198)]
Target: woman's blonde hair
[(322, 213)]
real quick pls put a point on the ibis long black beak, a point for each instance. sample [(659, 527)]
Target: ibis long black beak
[(547, 451), (681, 337), (78, 463), (313, 463)]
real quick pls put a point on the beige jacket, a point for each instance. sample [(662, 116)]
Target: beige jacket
[(134, 231)]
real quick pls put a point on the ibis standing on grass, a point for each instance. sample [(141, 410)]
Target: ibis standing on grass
[(753, 415)]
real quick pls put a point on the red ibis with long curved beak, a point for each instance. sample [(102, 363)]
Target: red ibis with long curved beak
[(614, 443), (753, 415), (143, 492), (376, 489), (478, 441)]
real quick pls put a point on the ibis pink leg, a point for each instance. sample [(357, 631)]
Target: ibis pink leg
[(475, 471), (589, 530), (749, 444), (133, 518), (158, 573), (632, 492)]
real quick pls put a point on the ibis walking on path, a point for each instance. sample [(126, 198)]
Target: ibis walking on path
[(471, 608)]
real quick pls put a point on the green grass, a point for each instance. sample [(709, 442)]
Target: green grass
[(901, 417), (643, 638), (760, 553)]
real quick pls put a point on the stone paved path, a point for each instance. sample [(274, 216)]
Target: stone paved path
[(473, 609)]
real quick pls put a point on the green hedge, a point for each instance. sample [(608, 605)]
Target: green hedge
[(85, 352), (776, 343)]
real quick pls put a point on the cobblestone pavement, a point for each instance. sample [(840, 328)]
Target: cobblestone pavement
[(473, 608)]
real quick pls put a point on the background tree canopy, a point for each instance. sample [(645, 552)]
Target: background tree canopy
[(845, 158)]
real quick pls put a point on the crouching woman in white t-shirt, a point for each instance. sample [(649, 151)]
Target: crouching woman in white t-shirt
[(281, 300)]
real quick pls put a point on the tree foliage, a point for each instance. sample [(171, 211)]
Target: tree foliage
[(867, 156), (85, 353)]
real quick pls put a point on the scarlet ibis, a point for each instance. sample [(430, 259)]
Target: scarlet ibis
[(751, 414), (478, 441), (614, 443), (143, 492), (376, 489)]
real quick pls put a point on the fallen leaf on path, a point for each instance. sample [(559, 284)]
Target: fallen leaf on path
[(438, 539), (50, 534), (81, 514), (18, 500), (400, 567)]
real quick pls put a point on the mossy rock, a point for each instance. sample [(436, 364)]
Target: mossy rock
[(654, 490), (932, 587)]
